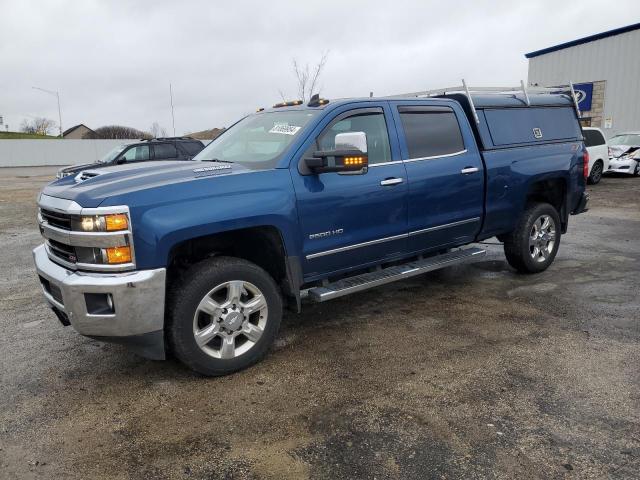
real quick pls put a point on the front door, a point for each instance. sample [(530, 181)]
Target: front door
[(445, 174), (350, 220)]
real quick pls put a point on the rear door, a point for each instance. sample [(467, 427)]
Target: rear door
[(445, 174)]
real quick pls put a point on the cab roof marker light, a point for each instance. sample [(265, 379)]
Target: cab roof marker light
[(316, 101), (292, 103)]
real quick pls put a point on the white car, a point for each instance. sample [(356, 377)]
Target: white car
[(624, 153), (598, 150)]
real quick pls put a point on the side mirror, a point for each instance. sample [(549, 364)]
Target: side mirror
[(349, 155)]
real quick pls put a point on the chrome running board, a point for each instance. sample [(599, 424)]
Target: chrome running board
[(365, 281)]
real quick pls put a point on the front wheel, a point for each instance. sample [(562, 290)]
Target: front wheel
[(534, 243), (636, 170), (223, 316)]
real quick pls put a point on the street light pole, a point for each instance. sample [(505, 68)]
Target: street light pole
[(57, 94)]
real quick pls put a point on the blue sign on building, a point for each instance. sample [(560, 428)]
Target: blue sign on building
[(584, 92)]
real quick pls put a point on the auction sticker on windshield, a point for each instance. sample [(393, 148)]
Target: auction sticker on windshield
[(285, 129)]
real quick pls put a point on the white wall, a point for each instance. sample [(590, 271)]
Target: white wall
[(31, 153), (613, 59)]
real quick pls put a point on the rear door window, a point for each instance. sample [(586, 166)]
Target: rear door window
[(431, 131), (593, 138), (164, 150), (512, 126)]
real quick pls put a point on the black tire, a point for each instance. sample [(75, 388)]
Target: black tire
[(185, 297), (517, 247), (636, 170), (596, 172)]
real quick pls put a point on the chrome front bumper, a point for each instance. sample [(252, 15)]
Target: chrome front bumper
[(137, 314)]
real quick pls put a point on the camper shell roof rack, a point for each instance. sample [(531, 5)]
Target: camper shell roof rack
[(467, 91)]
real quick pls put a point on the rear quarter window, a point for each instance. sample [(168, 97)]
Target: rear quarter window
[(513, 126), (593, 138), (192, 148)]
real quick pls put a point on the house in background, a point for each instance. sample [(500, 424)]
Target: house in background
[(78, 132)]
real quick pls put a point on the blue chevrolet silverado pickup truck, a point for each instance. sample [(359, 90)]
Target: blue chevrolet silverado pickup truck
[(318, 199)]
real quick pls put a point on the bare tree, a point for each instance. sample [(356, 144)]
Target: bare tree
[(120, 132), (157, 131), (308, 77), (38, 125)]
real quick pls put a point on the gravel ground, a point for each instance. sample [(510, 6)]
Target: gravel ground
[(470, 372)]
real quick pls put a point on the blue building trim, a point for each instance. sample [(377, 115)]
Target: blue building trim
[(580, 41)]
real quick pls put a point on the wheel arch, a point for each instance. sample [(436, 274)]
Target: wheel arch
[(553, 191), (263, 245)]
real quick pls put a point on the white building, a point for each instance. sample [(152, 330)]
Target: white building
[(606, 69)]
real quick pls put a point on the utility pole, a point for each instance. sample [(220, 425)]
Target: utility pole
[(173, 119), (57, 94)]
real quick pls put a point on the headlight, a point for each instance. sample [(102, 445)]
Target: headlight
[(112, 222), (95, 239)]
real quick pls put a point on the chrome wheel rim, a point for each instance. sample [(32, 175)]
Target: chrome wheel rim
[(596, 173), (230, 319), (542, 238)]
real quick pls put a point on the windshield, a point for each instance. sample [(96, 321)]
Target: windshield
[(257, 141), (632, 140), (112, 154)]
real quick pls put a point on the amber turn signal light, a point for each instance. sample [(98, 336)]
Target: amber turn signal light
[(118, 255), (353, 160), (116, 221)]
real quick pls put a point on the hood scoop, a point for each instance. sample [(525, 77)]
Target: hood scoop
[(85, 175)]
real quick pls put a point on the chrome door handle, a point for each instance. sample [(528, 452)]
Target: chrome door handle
[(391, 181), (468, 170)]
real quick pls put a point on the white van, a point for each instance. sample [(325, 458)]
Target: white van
[(598, 149)]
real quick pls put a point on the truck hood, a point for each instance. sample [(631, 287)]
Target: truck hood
[(95, 185)]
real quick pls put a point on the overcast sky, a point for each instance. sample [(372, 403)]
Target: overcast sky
[(112, 61)]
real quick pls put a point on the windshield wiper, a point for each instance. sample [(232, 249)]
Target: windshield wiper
[(216, 160)]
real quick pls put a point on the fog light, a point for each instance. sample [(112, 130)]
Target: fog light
[(118, 255), (99, 303)]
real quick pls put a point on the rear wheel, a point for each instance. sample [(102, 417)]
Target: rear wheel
[(223, 316), (596, 172), (534, 243)]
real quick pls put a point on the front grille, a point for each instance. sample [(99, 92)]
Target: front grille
[(55, 219), (62, 251)]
